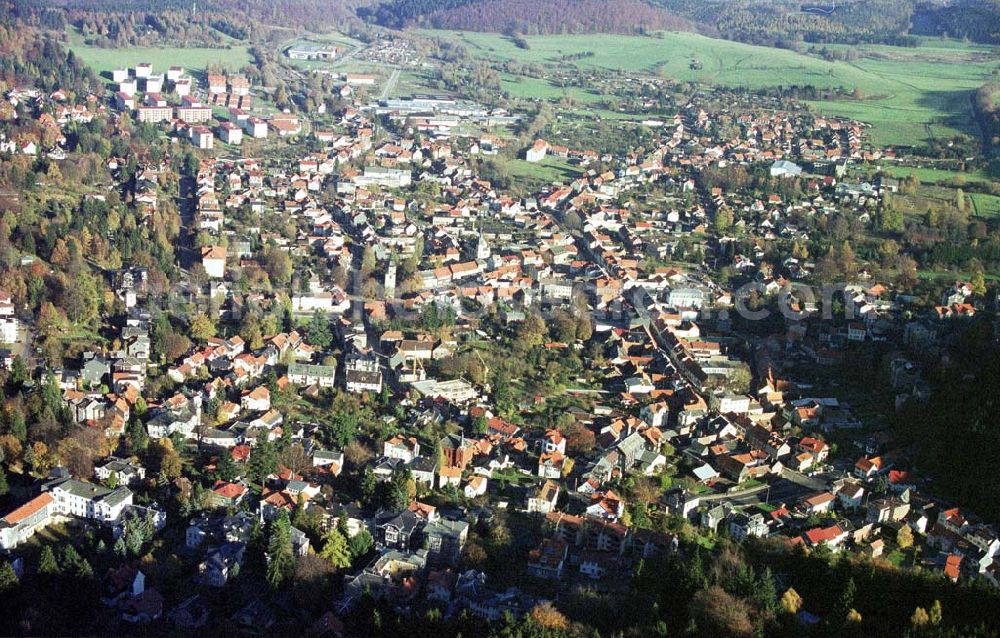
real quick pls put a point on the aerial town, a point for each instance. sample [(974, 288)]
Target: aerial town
[(393, 358)]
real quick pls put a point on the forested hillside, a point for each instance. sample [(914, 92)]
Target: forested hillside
[(767, 22), (26, 57), (207, 23), (885, 21), (527, 16), (987, 109), (977, 20)]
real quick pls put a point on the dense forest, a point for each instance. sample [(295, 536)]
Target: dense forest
[(767, 22), (762, 588), (986, 105), (956, 431), (527, 16), (207, 23), (851, 21), (27, 58), (977, 20)]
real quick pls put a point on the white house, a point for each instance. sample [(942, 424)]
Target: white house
[(201, 137), (537, 151), (399, 447), (125, 472), (543, 500), (22, 523), (89, 500), (8, 329), (256, 400), (476, 486), (255, 127), (304, 374), (213, 258), (230, 133)]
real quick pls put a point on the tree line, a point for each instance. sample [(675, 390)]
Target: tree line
[(526, 16)]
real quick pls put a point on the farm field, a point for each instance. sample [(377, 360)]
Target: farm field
[(538, 88), (194, 59), (908, 95), (935, 175), (985, 205)]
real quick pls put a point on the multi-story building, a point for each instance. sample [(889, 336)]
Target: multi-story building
[(363, 374), (444, 541), (201, 137), (194, 112), (23, 522), (88, 500), (8, 322), (154, 114), (230, 133)]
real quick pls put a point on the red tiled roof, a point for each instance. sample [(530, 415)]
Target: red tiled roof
[(29, 508), (229, 490)]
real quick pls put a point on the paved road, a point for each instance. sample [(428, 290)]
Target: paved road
[(390, 85)]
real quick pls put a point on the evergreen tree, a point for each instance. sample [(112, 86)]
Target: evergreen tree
[(396, 492), (19, 372), (83, 570), (765, 594), (368, 485), (4, 488), (47, 562), (335, 549), (8, 578), (280, 558), (16, 425), (360, 544), (318, 331), (226, 469), (263, 461), (847, 596), (136, 436)]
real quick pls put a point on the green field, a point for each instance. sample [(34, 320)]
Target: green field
[(192, 59), (909, 94), (935, 175), (985, 205), (551, 169)]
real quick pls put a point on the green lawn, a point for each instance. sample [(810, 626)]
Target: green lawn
[(551, 169), (934, 175), (896, 558), (985, 205), (192, 59), (538, 88), (909, 94)]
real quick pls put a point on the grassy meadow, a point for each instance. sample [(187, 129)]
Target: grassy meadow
[(908, 94), (549, 170), (192, 59), (935, 175), (984, 204)]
